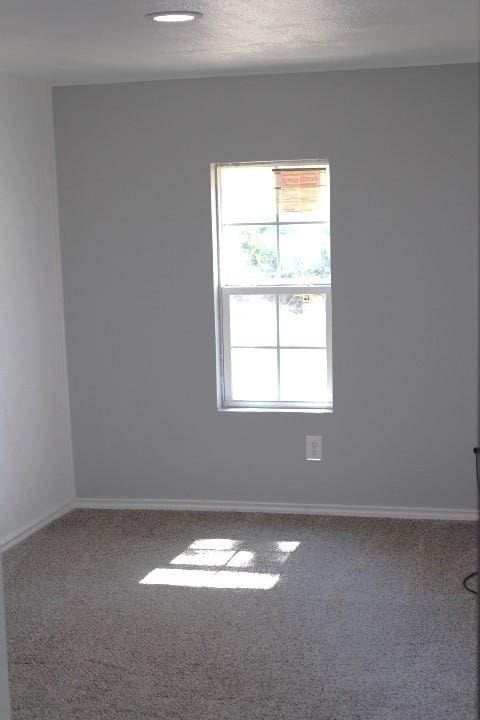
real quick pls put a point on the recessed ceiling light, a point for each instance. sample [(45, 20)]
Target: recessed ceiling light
[(175, 16)]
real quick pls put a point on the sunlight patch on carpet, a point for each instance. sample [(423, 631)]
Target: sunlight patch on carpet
[(224, 553), (211, 579)]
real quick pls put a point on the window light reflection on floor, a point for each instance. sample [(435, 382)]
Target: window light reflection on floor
[(287, 546), (214, 544), (211, 579), (223, 553), (243, 558), (204, 557)]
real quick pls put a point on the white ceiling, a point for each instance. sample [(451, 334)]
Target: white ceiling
[(83, 41)]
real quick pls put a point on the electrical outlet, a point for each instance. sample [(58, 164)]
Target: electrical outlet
[(313, 447)]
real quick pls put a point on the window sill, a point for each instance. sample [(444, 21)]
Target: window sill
[(301, 411)]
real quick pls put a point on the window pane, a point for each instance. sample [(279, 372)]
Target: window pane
[(305, 253), (254, 374), (303, 375), (248, 255), (303, 194), (303, 320), (247, 194), (253, 320)]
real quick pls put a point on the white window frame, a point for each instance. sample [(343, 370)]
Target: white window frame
[(222, 314)]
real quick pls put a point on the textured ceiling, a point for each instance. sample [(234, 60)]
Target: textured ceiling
[(82, 41)]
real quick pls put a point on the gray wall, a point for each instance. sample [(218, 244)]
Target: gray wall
[(133, 164), (36, 464)]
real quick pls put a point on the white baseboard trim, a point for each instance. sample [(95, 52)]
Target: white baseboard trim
[(16, 537), (406, 513), (414, 513)]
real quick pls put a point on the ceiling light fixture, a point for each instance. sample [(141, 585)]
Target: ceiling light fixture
[(175, 16)]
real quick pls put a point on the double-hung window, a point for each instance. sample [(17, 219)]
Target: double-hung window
[(273, 285)]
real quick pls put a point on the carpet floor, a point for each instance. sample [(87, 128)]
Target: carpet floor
[(132, 615)]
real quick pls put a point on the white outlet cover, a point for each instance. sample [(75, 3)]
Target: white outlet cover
[(313, 447)]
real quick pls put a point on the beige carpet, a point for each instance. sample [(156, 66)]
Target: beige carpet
[(241, 617)]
